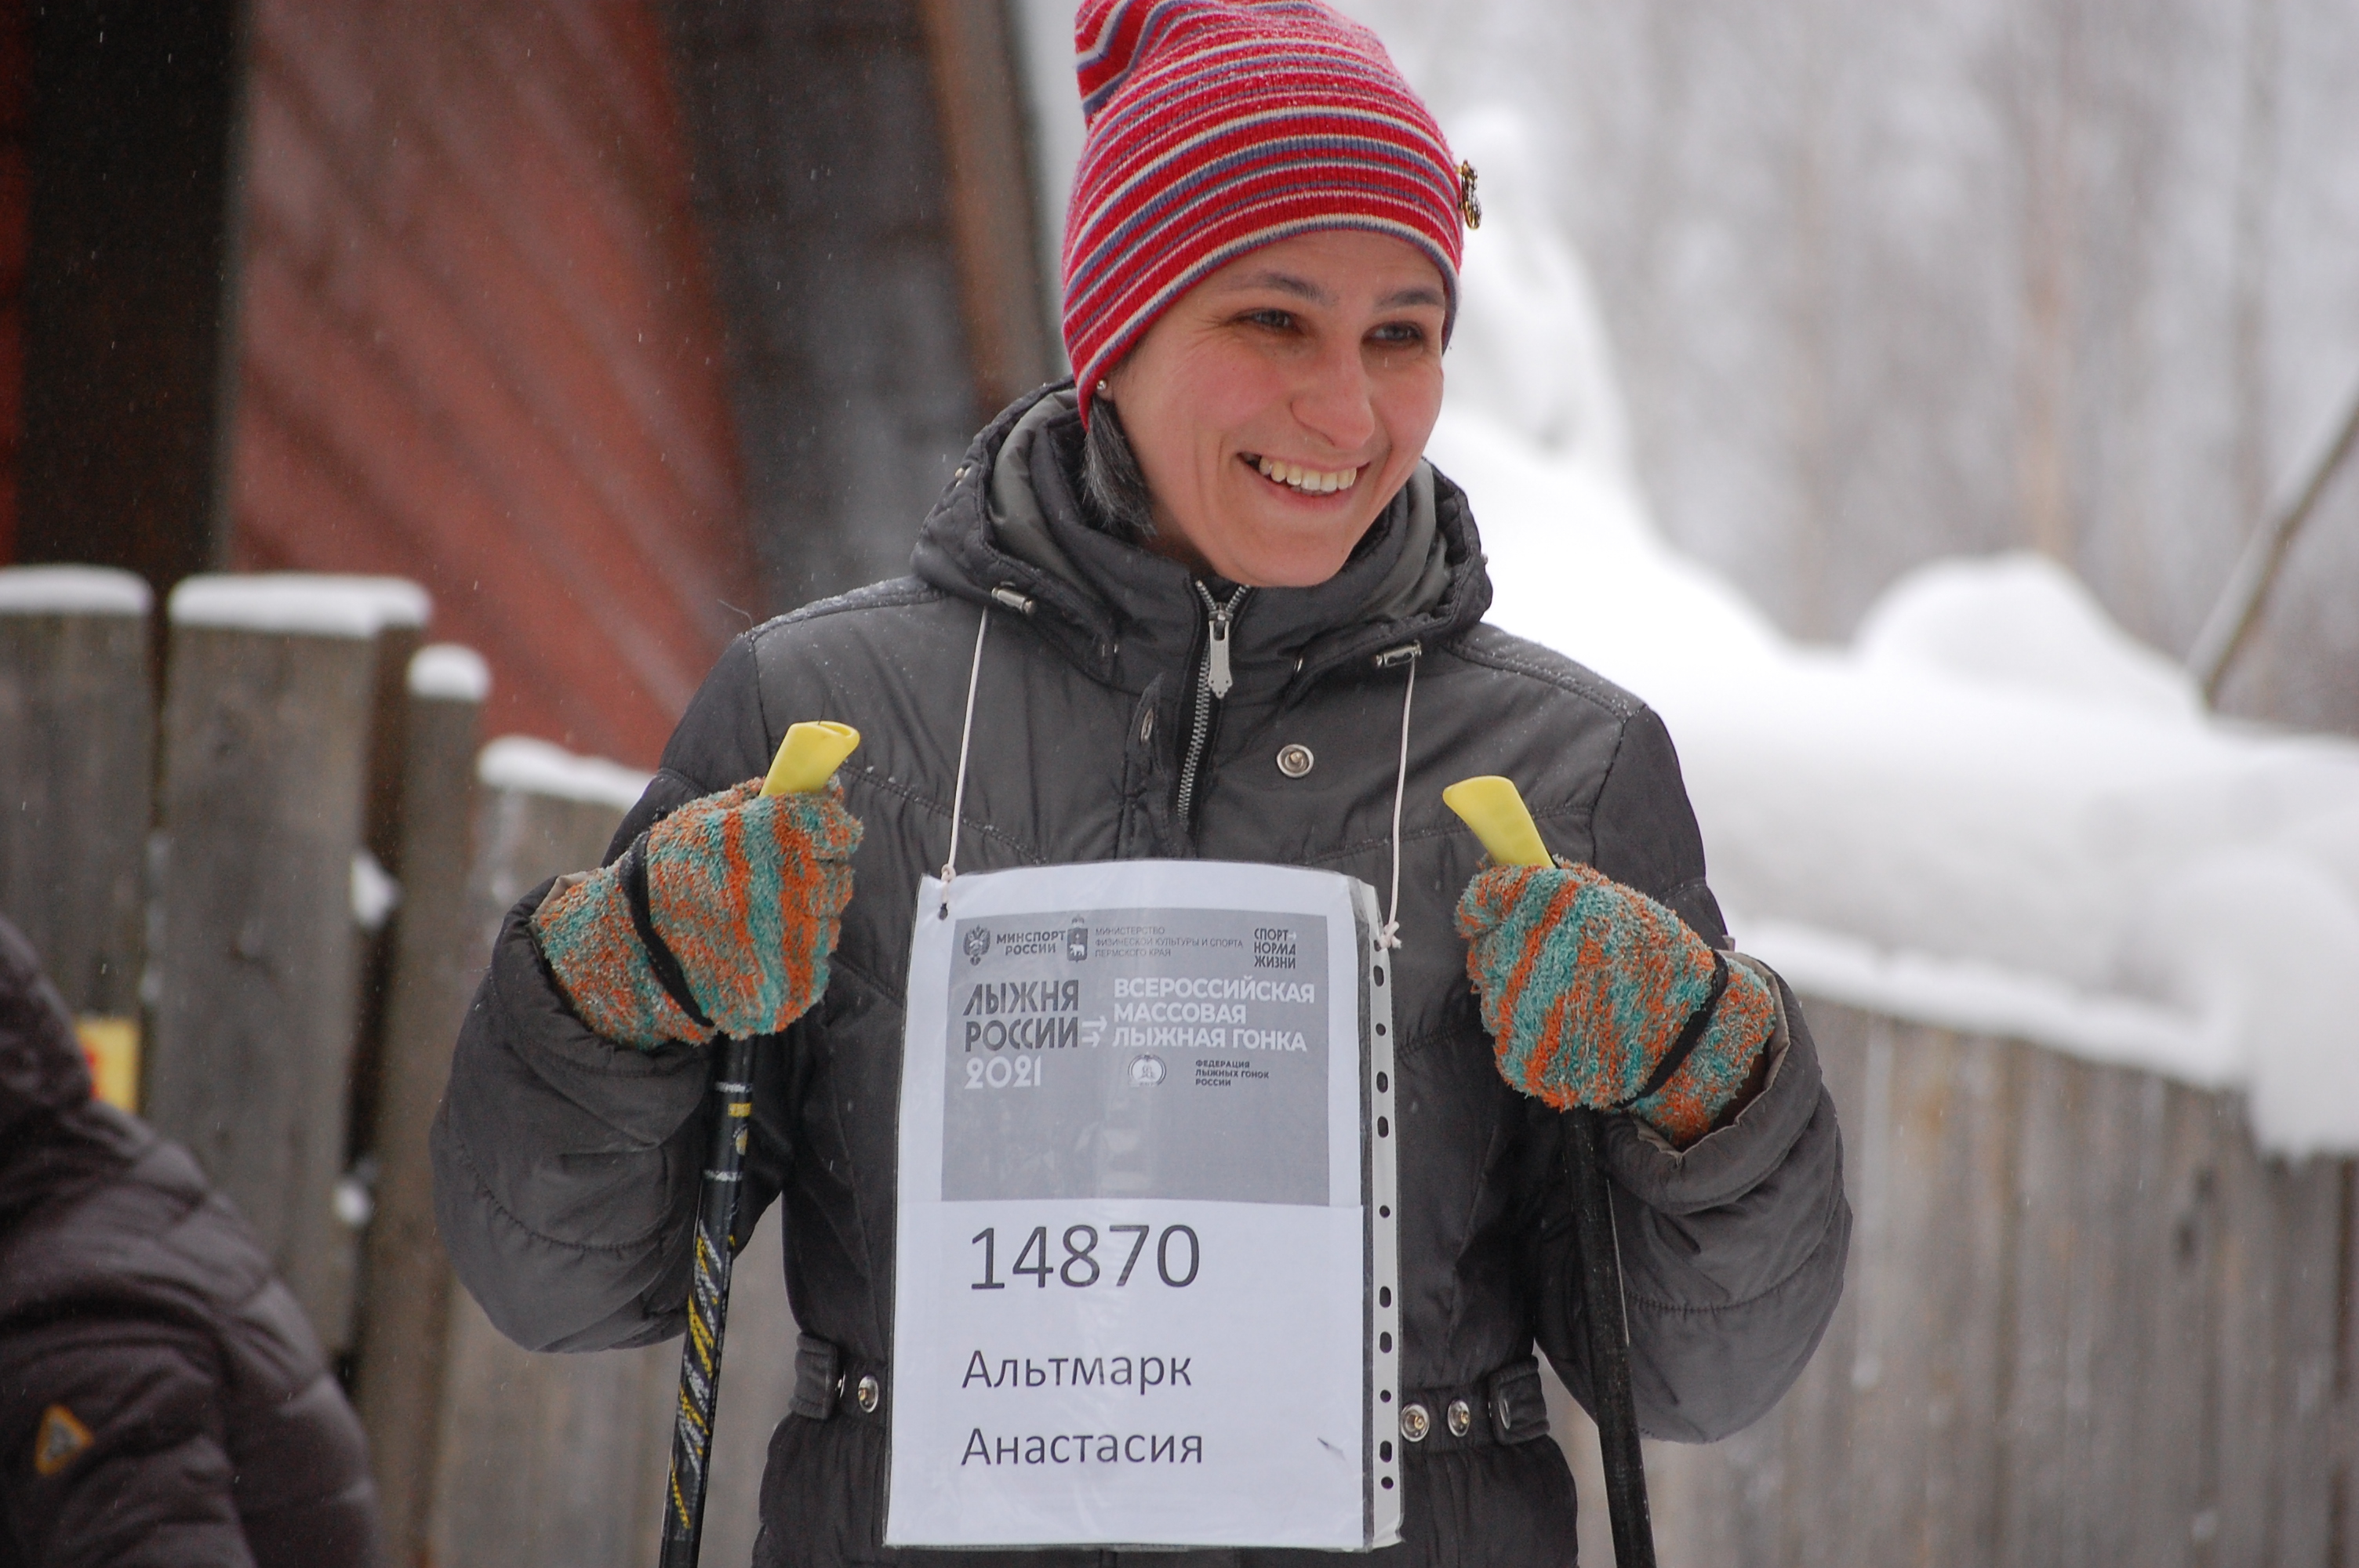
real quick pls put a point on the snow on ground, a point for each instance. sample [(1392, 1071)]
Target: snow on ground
[(1996, 810)]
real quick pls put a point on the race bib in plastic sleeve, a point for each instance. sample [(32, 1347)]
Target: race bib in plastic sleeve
[(1145, 1256)]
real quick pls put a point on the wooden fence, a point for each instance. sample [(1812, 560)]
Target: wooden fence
[(2086, 1323)]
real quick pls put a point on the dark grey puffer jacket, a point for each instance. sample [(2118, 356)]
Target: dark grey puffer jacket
[(566, 1167), (163, 1403)]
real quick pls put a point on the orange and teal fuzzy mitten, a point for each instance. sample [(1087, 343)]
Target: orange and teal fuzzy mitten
[(1596, 995), (718, 919)]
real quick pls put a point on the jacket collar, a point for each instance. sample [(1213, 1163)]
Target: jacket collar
[(1010, 530)]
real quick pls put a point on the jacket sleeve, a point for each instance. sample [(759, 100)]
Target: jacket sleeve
[(566, 1166), (125, 1418), (1732, 1250)]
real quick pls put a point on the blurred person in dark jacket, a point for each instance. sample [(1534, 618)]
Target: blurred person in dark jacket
[(162, 1400)]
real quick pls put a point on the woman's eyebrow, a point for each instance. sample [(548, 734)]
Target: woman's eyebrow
[(1304, 289), (1284, 282)]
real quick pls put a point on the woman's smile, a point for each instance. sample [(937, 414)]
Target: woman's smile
[(1302, 478)]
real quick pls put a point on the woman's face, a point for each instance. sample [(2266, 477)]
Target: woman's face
[(1278, 404)]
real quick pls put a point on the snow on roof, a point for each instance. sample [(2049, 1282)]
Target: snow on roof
[(1995, 811), (299, 603), (72, 590), (450, 672), (527, 766)]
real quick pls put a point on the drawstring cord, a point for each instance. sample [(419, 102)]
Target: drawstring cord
[(1390, 935), (966, 734)]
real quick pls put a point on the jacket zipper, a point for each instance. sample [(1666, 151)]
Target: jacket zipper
[(1212, 682)]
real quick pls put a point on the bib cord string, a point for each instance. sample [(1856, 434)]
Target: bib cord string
[(966, 736), (1390, 935)]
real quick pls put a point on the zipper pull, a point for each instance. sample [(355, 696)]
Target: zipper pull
[(1216, 654)]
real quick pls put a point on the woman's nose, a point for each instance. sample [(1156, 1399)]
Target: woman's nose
[(1335, 400)]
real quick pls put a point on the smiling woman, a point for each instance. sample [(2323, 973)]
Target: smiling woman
[(1210, 602)]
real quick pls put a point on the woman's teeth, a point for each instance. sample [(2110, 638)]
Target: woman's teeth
[(1310, 481)]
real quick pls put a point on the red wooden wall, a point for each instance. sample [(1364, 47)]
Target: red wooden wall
[(478, 348)]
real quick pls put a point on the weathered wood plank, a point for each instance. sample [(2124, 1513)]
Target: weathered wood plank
[(266, 754), (438, 952), (2342, 1524), (1886, 1381), (2310, 1281), (2102, 1314), (539, 1458), (2035, 1418), (1803, 1494), (548, 1459), (2180, 1225), (1960, 1126), (2244, 1348), (77, 727)]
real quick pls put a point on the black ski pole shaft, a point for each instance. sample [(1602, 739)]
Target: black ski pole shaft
[(708, 1307), (1609, 1344)]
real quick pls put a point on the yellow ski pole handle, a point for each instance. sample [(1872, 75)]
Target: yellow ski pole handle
[(808, 757), (1494, 809)]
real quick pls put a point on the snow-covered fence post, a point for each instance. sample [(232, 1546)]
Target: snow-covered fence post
[(546, 1458), (269, 718), (439, 950), (77, 729)]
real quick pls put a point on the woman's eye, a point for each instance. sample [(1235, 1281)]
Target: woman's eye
[(1276, 320), (1399, 335)]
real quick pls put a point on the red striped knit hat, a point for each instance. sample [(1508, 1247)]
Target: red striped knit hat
[(1219, 126)]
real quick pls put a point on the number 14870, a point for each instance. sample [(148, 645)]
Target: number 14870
[(1177, 1256)]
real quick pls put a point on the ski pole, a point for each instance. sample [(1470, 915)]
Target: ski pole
[(806, 758), (1493, 808)]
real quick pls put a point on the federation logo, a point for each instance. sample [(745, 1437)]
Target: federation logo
[(977, 943), (1146, 1072)]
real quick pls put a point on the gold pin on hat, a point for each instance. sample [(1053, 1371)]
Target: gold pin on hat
[(1470, 206)]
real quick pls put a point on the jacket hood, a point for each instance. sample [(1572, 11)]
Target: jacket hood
[(1011, 529), (42, 1071)]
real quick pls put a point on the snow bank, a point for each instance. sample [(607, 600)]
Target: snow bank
[(1976, 997), (527, 766), (1995, 811), (72, 590), (299, 603), (2021, 620), (449, 672)]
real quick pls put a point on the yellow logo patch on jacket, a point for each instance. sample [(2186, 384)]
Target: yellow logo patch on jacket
[(60, 1441)]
